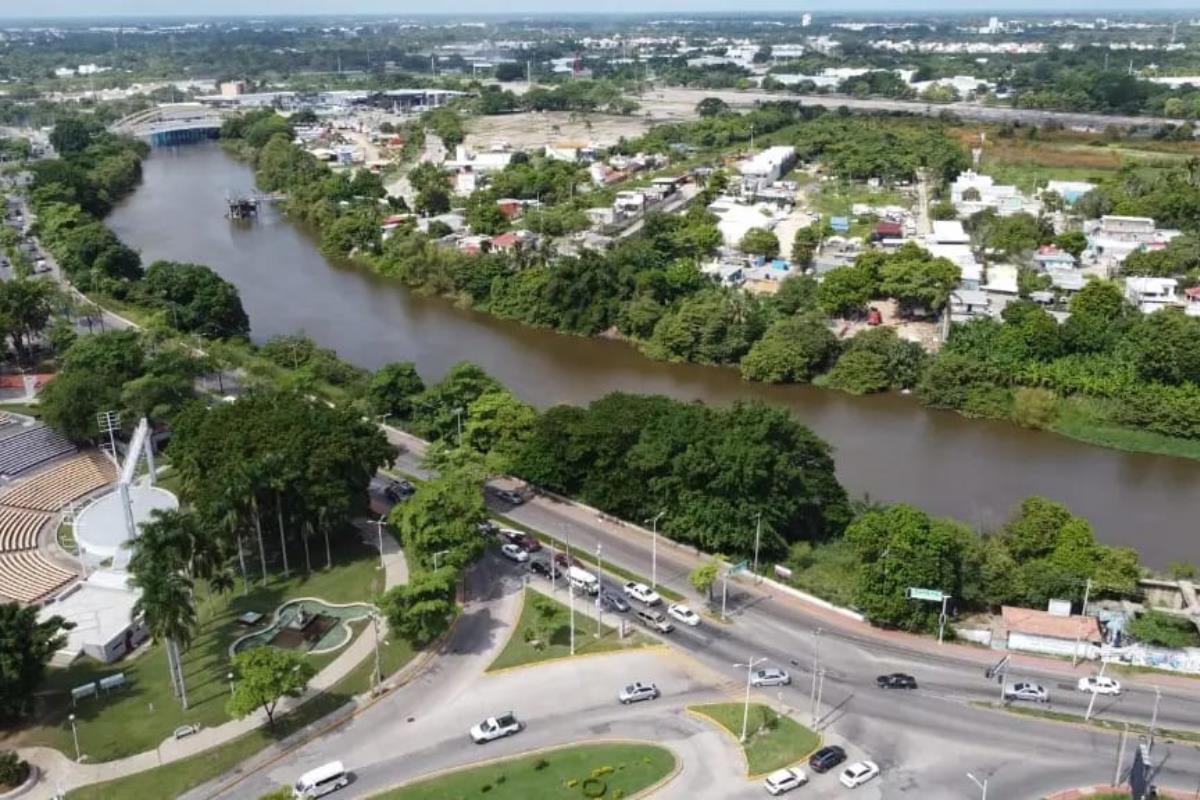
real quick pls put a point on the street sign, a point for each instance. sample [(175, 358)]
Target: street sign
[(998, 669), (933, 595)]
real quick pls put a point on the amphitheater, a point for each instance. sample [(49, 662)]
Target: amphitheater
[(43, 475)]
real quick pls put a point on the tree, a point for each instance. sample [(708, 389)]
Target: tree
[(759, 242), (421, 610), (806, 241), (25, 646), (1159, 629), (393, 388), (432, 200), (711, 107), (13, 770), (793, 350), (704, 576), (917, 279), (25, 307), (1073, 242), (264, 676), (844, 291), (860, 372), (442, 518), (1035, 408), (498, 425), (195, 299), (796, 294), (945, 210), (72, 135)]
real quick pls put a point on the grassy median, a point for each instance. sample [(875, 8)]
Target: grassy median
[(608, 770), (543, 633), (772, 741)]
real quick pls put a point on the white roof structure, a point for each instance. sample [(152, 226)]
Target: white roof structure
[(949, 232), (101, 525), (101, 608), (1001, 278), (734, 219)]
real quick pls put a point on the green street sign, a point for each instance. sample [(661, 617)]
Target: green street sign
[(933, 595)]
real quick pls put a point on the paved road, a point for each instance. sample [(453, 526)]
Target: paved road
[(925, 738), (971, 111)]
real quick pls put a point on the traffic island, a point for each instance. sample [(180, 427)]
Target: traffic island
[(773, 741), (543, 633), (575, 772)]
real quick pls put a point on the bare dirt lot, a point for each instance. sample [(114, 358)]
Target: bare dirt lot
[(535, 129)]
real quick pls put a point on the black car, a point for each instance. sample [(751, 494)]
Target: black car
[(487, 528), (398, 490), (897, 680), (541, 567), (826, 758)]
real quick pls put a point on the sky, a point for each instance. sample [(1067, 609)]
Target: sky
[(98, 8)]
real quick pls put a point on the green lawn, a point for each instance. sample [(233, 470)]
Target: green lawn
[(773, 741), (611, 770), (543, 633), (835, 199), (178, 777), (141, 715), (826, 569)]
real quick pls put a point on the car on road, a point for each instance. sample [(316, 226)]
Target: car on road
[(513, 553), (655, 620), (642, 593), (897, 680), (826, 758), (784, 780), (1033, 692), (398, 490), (564, 562), (858, 773), (494, 728), (510, 496), (771, 676), (1099, 684), (683, 614), (635, 692), (525, 541), (614, 602), (541, 566), (323, 780), (487, 528)]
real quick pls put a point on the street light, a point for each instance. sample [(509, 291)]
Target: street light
[(378, 669), (599, 594), (229, 677), (749, 665), (982, 786), (379, 523), (75, 736), (757, 541), (654, 549)]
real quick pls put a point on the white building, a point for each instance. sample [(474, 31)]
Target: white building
[(1152, 294), (767, 166), (102, 609), (972, 192)]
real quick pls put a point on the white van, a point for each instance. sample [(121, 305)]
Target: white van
[(583, 581), (321, 781)]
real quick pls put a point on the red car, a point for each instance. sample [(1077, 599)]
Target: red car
[(528, 543), (564, 562)]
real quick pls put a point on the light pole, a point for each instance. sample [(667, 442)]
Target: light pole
[(599, 594), (1154, 716), (982, 786), (378, 669), (1087, 590), (757, 541), (654, 550), (379, 523), (229, 677), (75, 736), (749, 665), (724, 593), (815, 669), (1092, 703)]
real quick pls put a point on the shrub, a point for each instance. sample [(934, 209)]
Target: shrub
[(500, 779), (540, 764), (1035, 408), (1164, 630), (13, 771), (600, 772), (593, 787)]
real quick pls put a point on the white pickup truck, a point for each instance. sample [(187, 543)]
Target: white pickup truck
[(496, 728)]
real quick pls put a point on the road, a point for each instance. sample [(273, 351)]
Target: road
[(913, 735), (669, 96)]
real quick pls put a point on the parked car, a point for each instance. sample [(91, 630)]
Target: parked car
[(1099, 684), (826, 758), (858, 773), (510, 496), (494, 728), (525, 541), (784, 780), (487, 528), (398, 490), (513, 553), (771, 676), (636, 692), (540, 566), (564, 562), (897, 680), (655, 620), (684, 614), (1033, 692), (614, 602), (642, 593)]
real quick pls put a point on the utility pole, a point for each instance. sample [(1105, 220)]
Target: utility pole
[(820, 690), (982, 786), (1087, 591), (1154, 716), (599, 594), (379, 528), (1120, 756), (1092, 702), (757, 541), (654, 550), (749, 665), (942, 618), (724, 593), (571, 594), (378, 669), (816, 667)]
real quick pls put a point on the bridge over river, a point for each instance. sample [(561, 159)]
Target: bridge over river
[(172, 123)]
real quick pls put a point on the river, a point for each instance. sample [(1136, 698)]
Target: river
[(888, 447)]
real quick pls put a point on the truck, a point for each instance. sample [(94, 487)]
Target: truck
[(494, 728), (583, 580)]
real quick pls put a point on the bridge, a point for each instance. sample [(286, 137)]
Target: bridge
[(171, 124)]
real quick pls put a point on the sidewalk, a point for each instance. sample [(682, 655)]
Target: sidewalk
[(60, 773)]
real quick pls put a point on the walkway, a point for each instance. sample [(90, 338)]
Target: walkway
[(60, 773)]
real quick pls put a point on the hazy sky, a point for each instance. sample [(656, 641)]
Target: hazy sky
[(94, 8)]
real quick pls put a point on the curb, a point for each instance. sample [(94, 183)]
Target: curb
[(432, 776), (1083, 792), (700, 715)]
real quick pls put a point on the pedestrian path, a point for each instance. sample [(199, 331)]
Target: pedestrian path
[(60, 773)]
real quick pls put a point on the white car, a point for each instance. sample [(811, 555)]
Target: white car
[(496, 728), (638, 691), (1099, 684), (1033, 692), (770, 677), (683, 614), (858, 773), (514, 553), (784, 780), (642, 593)]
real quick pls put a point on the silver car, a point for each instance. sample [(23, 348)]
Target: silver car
[(770, 677), (1033, 692), (638, 691)]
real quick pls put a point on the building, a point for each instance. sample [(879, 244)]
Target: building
[(971, 193), (1191, 297), (102, 609), (767, 166), (1050, 632), (1048, 257), (232, 88), (948, 232), (1151, 294), (1070, 191)]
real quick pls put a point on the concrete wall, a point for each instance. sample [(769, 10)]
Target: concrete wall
[(1047, 645)]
